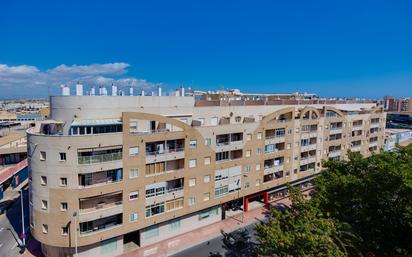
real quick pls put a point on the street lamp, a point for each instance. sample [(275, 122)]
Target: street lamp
[(75, 233), (23, 234)]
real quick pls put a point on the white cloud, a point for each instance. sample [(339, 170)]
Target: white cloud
[(26, 77), (93, 69)]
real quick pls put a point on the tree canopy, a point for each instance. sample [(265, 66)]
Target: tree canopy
[(299, 231), (373, 195), (358, 205)]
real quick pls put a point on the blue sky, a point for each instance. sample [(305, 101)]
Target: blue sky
[(333, 48)]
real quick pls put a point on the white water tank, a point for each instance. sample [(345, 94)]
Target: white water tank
[(159, 91), (114, 90), (131, 90), (79, 89), (93, 91), (65, 90)]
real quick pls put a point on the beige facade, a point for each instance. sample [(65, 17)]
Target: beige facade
[(142, 169)]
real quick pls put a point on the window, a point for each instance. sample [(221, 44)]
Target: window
[(247, 184), (206, 197), (259, 135), (222, 156), (192, 163), (248, 137), (208, 213), (42, 156), (258, 151), (155, 209), (257, 182), (247, 168), (206, 179), (65, 231), (63, 206), (62, 156), (174, 225), (192, 182), (43, 180), (132, 125), (213, 121), (257, 167), (207, 160), (134, 195), (44, 204), (133, 151), (221, 191), (133, 173), (174, 204), (45, 228), (248, 153), (208, 141), (193, 144), (191, 200), (63, 182), (151, 232), (133, 217), (280, 132)]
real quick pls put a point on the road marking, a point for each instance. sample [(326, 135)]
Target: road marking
[(1, 245), (14, 246), (1, 229)]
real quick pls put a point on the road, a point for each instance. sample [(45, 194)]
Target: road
[(10, 227), (216, 247)]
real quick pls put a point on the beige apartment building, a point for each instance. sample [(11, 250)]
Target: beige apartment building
[(107, 172)]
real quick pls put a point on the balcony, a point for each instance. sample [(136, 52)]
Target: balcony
[(374, 125), (273, 165), (93, 157), (227, 142), (308, 159), (159, 168), (334, 153), (228, 156), (274, 148), (335, 131), (274, 136), (165, 155), (94, 226), (101, 206), (372, 144), (355, 148), (310, 147), (100, 178), (164, 191)]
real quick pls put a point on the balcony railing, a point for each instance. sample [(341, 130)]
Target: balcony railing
[(100, 158), (166, 151), (100, 207)]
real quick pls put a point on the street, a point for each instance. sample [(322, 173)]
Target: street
[(217, 247), (10, 227)]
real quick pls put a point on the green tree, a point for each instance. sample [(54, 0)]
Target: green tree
[(299, 231), (374, 196)]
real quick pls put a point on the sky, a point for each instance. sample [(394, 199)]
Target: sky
[(332, 48)]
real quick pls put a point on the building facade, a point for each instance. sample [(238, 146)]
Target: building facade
[(109, 171)]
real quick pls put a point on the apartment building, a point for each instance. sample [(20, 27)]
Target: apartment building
[(110, 171)]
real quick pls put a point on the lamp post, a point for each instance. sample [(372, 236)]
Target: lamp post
[(23, 234), (75, 233)]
